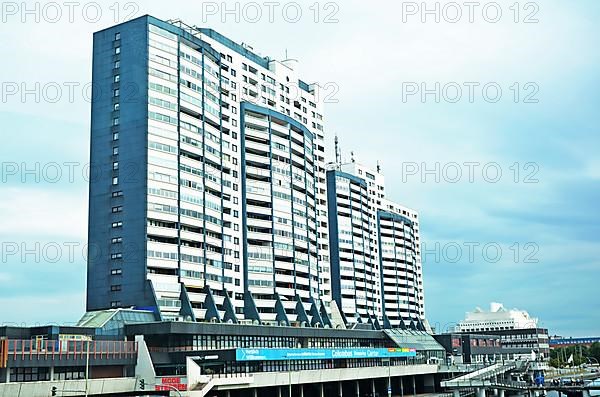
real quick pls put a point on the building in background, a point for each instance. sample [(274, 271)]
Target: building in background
[(375, 251), (561, 341), (519, 333), (471, 348), (209, 183), (496, 319)]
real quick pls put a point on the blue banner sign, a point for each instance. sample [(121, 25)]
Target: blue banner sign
[(320, 354)]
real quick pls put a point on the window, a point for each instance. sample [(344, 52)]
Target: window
[(116, 92), (115, 180), (117, 64), (117, 209), (117, 50), (115, 150), (116, 240), (117, 224), (115, 136), (117, 255), (115, 165), (116, 121), (116, 272), (116, 107), (115, 303), (115, 288), (117, 193), (117, 78), (117, 36)]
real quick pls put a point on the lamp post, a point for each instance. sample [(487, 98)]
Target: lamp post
[(172, 388), (87, 368), (389, 390)]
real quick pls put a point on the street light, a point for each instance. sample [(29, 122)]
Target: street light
[(389, 361), (87, 367), (172, 388)]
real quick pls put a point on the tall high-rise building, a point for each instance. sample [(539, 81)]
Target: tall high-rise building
[(208, 197), (375, 250)]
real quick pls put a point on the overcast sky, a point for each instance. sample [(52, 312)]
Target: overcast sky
[(500, 155)]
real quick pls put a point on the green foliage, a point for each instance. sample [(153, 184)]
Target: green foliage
[(581, 355)]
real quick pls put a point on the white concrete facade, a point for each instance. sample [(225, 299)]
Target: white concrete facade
[(379, 249), (195, 177), (496, 319)]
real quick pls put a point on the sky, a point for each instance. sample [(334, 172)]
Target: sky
[(485, 120)]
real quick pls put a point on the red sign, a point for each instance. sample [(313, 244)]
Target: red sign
[(170, 381), (178, 386)]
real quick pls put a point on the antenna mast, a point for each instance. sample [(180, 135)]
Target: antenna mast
[(338, 153)]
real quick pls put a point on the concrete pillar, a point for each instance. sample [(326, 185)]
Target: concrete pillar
[(301, 390), (255, 392), (500, 392), (480, 392), (455, 393), (415, 386), (51, 373), (322, 390), (278, 391), (373, 386), (401, 386), (429, 382), (357, 389), (389, 387), (340, 393), (227, 393)]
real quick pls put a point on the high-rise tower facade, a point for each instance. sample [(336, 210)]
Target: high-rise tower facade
[(209, 179), (375, 250)]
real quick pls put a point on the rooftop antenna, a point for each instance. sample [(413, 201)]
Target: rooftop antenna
[(378, 167), (352, 156), (286, 54), (338, 153)]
